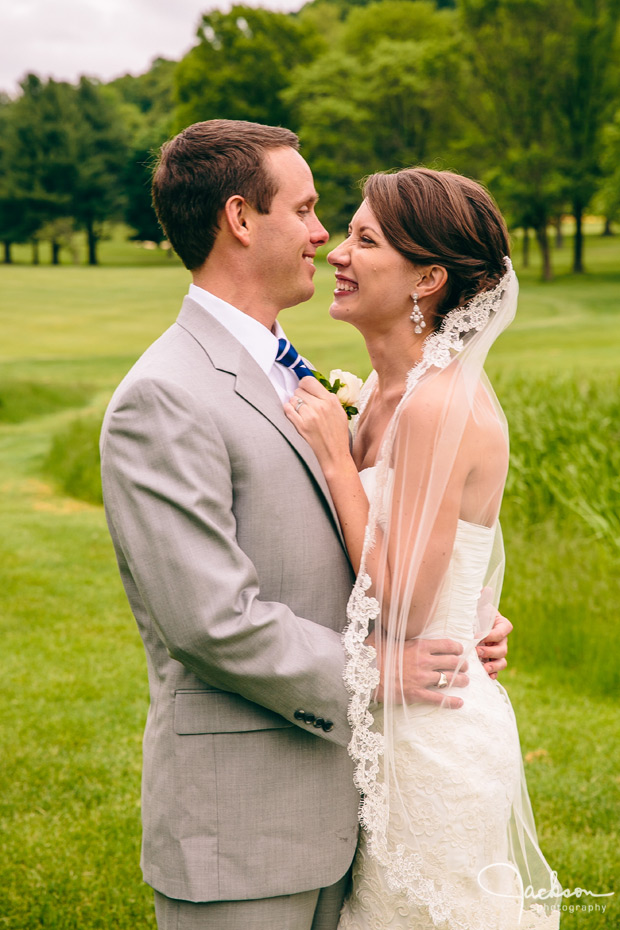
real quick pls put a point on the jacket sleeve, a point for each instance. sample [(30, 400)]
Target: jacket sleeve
[(169, 499)]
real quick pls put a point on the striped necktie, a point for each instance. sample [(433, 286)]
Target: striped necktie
[(290, 358)]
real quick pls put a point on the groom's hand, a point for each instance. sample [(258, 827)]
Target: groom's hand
[(423, 662)]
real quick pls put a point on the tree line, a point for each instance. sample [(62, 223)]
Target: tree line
[(523, 95)]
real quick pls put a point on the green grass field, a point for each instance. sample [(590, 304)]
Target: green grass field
[(73, 671)]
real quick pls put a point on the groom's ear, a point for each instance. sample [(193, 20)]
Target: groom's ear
[(235, 215)]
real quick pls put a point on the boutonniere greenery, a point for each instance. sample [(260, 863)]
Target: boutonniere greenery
[(345, 386)]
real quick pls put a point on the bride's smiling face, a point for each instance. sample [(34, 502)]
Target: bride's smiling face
[(374, 282)]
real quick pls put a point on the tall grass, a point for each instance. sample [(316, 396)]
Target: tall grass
[(565, 451), (21, 400), (73, 459)]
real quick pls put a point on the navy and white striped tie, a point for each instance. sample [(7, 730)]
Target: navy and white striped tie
[(290, 358)]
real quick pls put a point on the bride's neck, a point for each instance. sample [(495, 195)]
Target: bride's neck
[(392, 356)]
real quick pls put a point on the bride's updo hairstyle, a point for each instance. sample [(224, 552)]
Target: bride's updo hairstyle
[(438, 217)]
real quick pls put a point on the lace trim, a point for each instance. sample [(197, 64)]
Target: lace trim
[(404, 870)]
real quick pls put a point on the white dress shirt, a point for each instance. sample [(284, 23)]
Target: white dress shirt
[(261, 343)]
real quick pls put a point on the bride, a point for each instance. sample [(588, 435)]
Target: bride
[(449, 839)]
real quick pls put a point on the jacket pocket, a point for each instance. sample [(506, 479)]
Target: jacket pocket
[(221, 712)]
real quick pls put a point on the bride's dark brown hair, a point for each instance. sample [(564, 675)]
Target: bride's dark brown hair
[(438, 217)]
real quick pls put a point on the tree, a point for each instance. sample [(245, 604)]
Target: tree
[(37, 157), (541, 85), (608, 196), (102, 152), (381, 100), (510, 101), (151, 93), (589, 89), (136, 178), (151, 96), (63, 151), (241, 64)]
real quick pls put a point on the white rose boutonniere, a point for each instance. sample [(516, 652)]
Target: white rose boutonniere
[(345, 386)]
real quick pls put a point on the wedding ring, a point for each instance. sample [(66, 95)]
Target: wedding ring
[(298, 404), (443, 680)]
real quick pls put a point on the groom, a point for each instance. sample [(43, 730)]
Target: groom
[(233, 561)]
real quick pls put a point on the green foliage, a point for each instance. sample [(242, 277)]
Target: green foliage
[(102, 153), (38, 157), (538, 97), (511, 99), (151, 93), (398, 20), (240, 66), (74, 462), (139, 212), (23, 400), (609, 196), (62, 152), (382, 99), (565, 451)]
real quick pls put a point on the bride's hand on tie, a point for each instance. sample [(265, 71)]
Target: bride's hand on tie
[(319, 417)]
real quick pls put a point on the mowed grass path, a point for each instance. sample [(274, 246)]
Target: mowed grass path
[(73, 671)]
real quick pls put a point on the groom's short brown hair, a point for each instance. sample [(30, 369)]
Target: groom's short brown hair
[(201, 168)]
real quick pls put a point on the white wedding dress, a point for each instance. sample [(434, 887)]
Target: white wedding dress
[(458, 773)]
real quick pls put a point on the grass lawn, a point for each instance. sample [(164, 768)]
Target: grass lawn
[(73, 669)]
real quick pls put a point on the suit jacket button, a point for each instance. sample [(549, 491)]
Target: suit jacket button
[(299, 715), (328, 725), (309, 718), (319, 722)]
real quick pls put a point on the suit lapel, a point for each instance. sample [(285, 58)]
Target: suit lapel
[(252, 384)]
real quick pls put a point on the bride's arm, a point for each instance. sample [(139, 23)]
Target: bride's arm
[(399, 553), (322, 422)]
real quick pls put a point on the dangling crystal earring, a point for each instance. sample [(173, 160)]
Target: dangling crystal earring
[(416, 315)]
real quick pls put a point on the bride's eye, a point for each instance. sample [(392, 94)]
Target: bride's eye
[(367, 240)]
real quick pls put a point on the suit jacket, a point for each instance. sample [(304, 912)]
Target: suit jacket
[(236, 572)]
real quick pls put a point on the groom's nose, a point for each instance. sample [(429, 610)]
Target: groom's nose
[(318, 234)]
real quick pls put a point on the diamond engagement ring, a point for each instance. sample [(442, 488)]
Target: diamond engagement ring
[(298, 404), (443, 680)]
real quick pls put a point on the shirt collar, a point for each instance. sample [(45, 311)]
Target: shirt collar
[(261, 343)]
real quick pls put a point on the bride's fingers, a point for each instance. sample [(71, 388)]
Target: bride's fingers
[(501, 629), (491, 651), (492, 668), (312, 386)]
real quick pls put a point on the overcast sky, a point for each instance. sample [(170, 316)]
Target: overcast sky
[(102, 38)]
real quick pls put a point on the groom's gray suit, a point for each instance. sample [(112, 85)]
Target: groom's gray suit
[(233, 563)]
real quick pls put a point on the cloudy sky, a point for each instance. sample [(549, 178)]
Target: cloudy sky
[(101, 38)]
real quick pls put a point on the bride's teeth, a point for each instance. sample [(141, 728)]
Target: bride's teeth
[(342, 286)]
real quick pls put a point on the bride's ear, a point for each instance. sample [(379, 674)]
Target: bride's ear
[(432, 278)]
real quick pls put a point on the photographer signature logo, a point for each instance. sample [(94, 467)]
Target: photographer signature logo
[(554, 893)]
